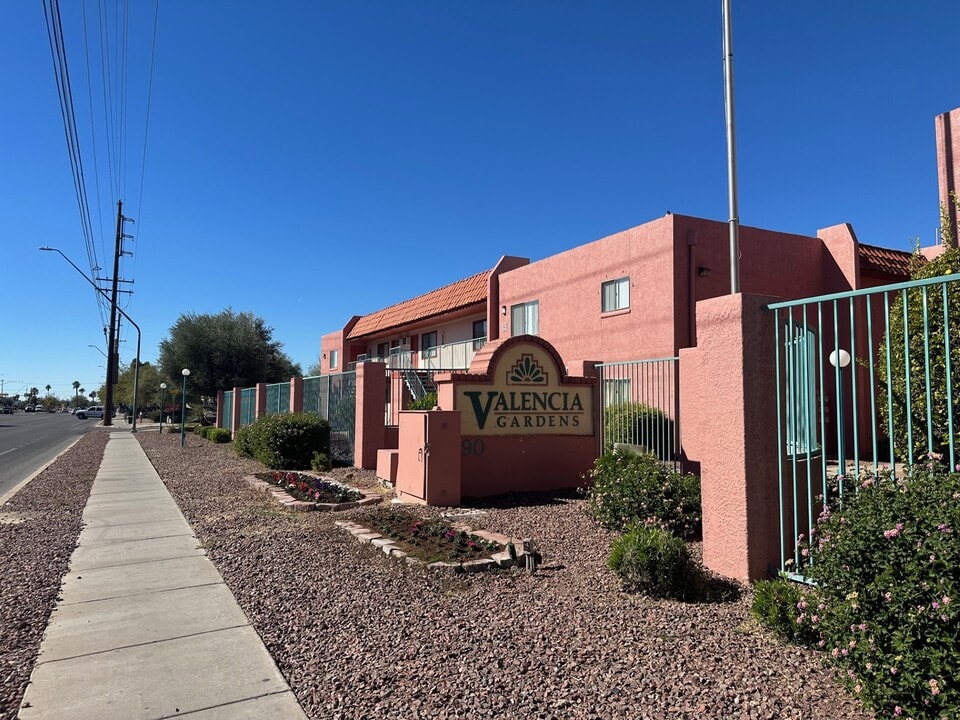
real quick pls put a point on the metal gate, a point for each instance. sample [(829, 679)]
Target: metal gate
[(641, 406), (852, 402), (334, 397)]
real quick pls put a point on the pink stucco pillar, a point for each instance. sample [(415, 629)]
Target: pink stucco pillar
[(296, 394), (261, 400), (371, 409), (237, 404), (729, 414)]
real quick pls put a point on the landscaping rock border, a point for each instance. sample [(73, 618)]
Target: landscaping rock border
[(294, 505), (500, 560)]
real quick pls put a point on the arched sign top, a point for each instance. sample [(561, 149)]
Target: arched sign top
[(491, 355), (520, 387)]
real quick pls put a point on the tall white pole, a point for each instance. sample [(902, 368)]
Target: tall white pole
[(731, 149)]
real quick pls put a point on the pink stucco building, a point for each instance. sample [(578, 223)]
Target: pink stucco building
[(628, 296)]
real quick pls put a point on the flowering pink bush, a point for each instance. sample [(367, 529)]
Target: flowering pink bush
[(886, 560)]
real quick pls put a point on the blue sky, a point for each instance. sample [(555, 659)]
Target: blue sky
[(307, 161)]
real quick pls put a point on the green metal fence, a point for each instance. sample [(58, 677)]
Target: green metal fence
[(248, 406), (865, 388), (641, 406), (278, 398), (227, 414), (334, 397)]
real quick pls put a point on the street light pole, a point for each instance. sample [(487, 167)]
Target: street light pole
[(163, 386), (108, 411), (183, 408)]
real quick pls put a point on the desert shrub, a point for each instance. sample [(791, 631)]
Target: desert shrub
[(651, 560), (887, 565), (638, 424), (784, 608), (287, 441), (427, 402), (243, 441), (218, 435), (626, 488), (201, 430), (918, 305), (320, 462)]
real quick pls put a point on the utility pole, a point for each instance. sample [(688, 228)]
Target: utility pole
[(112, 342)]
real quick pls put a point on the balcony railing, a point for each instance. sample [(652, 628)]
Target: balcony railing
[(452, 356)]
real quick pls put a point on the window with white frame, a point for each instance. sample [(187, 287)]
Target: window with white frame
[(615, 295), (525, 318), (334, 359)]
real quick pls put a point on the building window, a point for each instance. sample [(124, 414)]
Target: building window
[(615, 295), (479, 333), (428, 344), (334, 359), (383, 349), (525, 318)]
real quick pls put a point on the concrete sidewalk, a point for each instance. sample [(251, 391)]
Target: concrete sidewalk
[(145, 627)]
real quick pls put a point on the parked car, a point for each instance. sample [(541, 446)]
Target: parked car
[(6, 410), (94, 411), (28, 408)]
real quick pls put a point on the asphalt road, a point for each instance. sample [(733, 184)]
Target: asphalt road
[(28, 441)]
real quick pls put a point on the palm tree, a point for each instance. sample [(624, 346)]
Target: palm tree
[(76, 397), (48, 389), (93, 395)]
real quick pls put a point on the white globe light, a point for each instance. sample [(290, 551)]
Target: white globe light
[(185, 372), (840, 358)]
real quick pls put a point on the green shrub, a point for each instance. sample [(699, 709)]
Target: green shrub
[(285, 441), (887, 564), (781, 606), (652, 561), (920, 304), (201, 430), (427, 402), (243, 441), (639, 424), (218, 435), (320, 462), (627, 488)]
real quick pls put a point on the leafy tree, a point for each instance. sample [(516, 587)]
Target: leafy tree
[(223, 351), (315, 369), (948, 263), (148, 393)]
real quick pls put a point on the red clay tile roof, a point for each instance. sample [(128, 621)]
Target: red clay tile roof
[(458, 295), (885, 262)]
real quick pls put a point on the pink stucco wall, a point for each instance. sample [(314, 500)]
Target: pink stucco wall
[(948, 165), (369, 430), (672, 262), (729, 399)]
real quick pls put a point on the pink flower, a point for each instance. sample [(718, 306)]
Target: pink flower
[(934, 688), (946, 599), (898, 711)]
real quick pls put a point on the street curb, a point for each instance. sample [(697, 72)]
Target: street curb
[(19, 486)]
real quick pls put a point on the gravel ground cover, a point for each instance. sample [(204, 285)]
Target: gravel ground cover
[(39, 527), (358, 635)]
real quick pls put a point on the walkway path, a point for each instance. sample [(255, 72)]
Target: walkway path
[(145, 627)]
